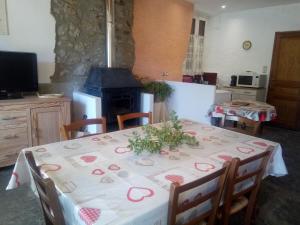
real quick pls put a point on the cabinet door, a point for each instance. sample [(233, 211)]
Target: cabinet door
[(46, 124)]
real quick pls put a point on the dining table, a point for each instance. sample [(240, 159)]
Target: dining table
[(101, 181)]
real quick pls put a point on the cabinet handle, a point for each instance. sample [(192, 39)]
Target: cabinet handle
[(35, 126), (9, 118), (9, 137)]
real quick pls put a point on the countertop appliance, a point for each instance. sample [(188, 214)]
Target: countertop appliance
[(251, 79), (233, 81)]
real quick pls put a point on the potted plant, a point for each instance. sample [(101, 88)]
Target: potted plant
[(161, 91)]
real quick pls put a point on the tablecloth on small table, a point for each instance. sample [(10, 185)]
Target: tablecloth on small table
[(253, 110)]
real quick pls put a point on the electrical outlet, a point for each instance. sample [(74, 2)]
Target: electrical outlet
[(265, 69)]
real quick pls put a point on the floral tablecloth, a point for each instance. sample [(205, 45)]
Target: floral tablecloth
[(100, 181), (253, 110)]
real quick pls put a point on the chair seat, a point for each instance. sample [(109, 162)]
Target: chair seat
[(238, 204)]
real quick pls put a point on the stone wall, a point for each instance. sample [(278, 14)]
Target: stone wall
[(80, 39)]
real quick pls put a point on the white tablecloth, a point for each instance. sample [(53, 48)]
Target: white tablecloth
[(102, 182)]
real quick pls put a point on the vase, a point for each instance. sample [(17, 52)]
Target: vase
[(159, 112)]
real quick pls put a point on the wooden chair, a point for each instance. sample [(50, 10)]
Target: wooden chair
[(244, 126), (130, 116), (47, 192), (75, 126), (214, 195), (235, 201)]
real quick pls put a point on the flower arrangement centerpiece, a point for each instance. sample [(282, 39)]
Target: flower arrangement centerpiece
[(153, 139)]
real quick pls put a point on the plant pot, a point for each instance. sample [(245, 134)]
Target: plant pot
[(160, 112)]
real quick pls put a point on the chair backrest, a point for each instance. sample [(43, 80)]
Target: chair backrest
[(214, 196), (75, 126), (47, 192), (243, 125), (130, 116), (254, 177)]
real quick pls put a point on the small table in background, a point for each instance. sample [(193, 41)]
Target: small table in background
[(253, 110)]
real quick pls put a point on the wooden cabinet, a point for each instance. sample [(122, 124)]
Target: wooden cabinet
[(45, 124), (29, 122), (243, 93)]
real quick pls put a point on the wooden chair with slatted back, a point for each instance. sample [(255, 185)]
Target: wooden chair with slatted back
[(47, 192), (130, 116), (235, 201), (214, 196), (246, 126), (77, 125)]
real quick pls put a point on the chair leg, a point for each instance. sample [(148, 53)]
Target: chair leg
[(225, 218), (250, 208)]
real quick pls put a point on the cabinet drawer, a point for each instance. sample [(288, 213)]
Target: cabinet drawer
[(11, 119), (244, 91), (10, 138), (9, 155)]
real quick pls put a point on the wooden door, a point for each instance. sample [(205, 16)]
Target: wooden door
[(46, 124), (284, 86)]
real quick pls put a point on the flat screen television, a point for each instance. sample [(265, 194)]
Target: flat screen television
[(18, 72)]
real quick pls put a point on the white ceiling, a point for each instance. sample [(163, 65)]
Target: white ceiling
[(213, 7)]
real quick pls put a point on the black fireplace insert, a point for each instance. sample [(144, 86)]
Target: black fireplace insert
[(120, 93)]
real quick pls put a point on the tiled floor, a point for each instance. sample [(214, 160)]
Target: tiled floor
[(19, 206), (279, 200)]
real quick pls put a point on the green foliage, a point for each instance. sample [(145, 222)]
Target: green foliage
[(161, 90), (154, 139)]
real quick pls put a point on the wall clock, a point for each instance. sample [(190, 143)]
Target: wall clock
[(247, 45)]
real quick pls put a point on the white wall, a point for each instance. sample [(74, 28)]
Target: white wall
[(32, 29), (191, 101), (225, 34)]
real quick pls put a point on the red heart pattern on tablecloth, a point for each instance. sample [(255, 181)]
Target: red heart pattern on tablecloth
[(163, 152), (245, 150), (208, 128), (50, 167), (106, 180), (16, 175), (122, 150), (138, 194), (191, 132), (260, 143), (114, 167), (98, 172), (204, 167), (199, 195), (107, 137), (89, 215), (144, 162), (185, 202), (96, 139), (225, 157), (88, 158), (41, 150), (175, 178)]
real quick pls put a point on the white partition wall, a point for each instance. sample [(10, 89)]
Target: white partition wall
[(147, 105), (89, 105), (191, 101)]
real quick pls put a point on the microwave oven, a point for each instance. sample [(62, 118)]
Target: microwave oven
[(252, 80)]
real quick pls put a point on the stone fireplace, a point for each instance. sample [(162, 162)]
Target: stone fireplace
[(81, 40)]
